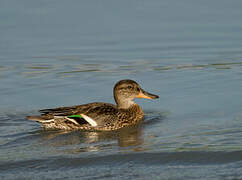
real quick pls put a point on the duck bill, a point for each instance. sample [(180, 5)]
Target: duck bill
[(146, 95)]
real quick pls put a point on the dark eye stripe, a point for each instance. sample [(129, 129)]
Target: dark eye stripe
[(121, 88)]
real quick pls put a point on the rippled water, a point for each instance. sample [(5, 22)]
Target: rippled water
[(61, 53)]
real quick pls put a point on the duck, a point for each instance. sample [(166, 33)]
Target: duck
[(99, 115)]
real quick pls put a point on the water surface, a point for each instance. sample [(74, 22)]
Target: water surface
[(59, 53)]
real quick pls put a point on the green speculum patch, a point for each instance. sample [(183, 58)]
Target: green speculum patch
[(75, 116)]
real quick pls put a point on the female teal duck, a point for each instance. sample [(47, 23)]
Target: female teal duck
[(98, 115)]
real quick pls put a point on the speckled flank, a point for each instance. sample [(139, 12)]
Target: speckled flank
[(125, 118)]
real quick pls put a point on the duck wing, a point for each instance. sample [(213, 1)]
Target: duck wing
[(100, 113), (78, 109)]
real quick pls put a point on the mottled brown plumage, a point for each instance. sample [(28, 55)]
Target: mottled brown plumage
[(98, 115)]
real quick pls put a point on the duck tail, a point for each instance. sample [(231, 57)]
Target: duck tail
[(38, 119)]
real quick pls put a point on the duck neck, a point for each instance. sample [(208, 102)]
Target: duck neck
[(134, 112), (124, 104)]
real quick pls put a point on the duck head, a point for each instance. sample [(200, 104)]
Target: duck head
[(125, 91)]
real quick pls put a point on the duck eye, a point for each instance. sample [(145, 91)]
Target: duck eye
[(138, 89), (129, 87)]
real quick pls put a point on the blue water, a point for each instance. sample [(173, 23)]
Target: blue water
[(63, 53)]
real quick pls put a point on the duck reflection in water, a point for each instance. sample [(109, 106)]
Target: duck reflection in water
[(90, 141)]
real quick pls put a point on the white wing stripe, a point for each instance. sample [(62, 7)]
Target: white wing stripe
[(89, 120)]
